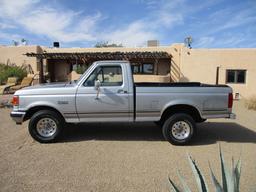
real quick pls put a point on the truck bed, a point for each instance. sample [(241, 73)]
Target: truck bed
[(151, 99), (177, 84)]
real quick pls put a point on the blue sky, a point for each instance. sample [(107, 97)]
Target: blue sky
[(83, 23)]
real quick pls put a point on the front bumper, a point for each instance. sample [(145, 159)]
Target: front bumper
[(18, 116)]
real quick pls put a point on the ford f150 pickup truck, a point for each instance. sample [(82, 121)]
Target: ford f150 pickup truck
[(106, 92)]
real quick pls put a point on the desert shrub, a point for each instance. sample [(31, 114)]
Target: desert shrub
[(80, 69), (251, 103), (12, 71), (230, 177)]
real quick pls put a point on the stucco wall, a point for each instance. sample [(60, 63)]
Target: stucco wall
[(14, 55), (163, 67), (201, 64), (60, 69), (151, 78), (175, 51)]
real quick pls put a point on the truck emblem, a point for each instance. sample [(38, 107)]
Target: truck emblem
[(62, 102)]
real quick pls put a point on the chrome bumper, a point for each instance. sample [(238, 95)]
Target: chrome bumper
[(18, 116)]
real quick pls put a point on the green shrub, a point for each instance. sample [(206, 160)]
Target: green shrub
[(12, 71), (80, 69), (230, 178), (251, 103)]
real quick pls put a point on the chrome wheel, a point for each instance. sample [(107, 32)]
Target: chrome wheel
[(180, 130), (46, 127)]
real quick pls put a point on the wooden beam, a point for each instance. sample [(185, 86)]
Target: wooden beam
[(103, 55), (156, 67), (41, 70)]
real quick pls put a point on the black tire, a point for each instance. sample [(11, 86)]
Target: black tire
[(179, 129), (202, 120), (52, 118)]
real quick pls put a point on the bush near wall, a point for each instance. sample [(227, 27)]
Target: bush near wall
[(251, 103), (11, 71), (80, 69)]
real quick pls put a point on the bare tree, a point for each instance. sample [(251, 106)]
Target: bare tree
[(106, 44)]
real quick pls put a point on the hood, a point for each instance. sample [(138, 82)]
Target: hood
[(47, 85), (47, 89)]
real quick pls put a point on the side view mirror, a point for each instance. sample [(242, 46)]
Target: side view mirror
[(97, 85)]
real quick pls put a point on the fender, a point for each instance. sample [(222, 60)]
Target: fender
[(180, 102)]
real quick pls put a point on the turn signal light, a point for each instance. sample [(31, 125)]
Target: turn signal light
[(15, 100)]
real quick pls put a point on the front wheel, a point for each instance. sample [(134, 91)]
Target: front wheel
[(45, 126), (179, 129)]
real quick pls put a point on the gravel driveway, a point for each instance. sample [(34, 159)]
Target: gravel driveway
[(121, 157)]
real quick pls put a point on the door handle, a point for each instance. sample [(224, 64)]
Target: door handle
[(121, 91)]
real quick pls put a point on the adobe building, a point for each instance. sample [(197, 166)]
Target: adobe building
[(175, 63), (14, 55)]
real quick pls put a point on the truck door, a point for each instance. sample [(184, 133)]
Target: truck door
[(107, 102)]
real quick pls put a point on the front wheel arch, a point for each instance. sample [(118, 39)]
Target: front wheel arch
[(33, 110)]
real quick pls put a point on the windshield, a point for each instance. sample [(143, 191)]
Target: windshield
[(81, 77)]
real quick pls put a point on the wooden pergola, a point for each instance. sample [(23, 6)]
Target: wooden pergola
[(94, 56)]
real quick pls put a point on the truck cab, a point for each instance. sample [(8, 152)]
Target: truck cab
[(112, 99)]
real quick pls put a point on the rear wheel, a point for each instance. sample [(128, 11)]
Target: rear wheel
[(179, 129), (45, 126)]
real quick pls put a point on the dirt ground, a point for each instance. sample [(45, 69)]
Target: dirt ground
[(122, 157)]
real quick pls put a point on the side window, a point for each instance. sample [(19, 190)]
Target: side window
[(136, 69), (235, 76), (148, 68), (107, 75), (145, 68)]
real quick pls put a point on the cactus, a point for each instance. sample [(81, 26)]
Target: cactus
[(230, 178)]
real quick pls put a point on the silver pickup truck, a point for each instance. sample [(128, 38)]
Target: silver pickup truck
[(106, 92)]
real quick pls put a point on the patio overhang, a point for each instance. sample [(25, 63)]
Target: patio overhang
[(89, 57), (103, 55)]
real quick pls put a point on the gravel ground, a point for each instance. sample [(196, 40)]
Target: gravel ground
[(121, 157)]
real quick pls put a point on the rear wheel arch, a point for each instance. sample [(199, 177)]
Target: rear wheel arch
[(182, 108)]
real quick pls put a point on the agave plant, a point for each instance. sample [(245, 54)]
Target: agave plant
[(230, 178)]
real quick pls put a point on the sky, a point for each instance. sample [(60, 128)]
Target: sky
[(83, 23)]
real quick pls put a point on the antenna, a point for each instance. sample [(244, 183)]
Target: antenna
[(188, 41), (24, 41), (15, 43)]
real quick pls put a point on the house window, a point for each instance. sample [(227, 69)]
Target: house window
[(235, 76), (148, 68), (145, 68), (136, 69)]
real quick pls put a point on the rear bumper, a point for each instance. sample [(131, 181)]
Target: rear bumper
[(215, 116), (18, 116), (232, 116)]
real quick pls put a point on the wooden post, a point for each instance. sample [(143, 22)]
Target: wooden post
[(41, 70), (217, 75), (156, 67)]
